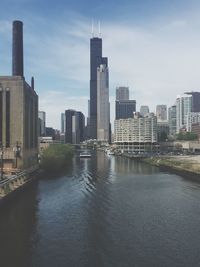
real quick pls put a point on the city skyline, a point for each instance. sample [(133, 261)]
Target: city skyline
[(156, 56)]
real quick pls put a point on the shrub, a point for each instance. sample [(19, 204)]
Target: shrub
[(56, 158)]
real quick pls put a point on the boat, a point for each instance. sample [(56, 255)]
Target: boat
[(109, 152), (85, 155)]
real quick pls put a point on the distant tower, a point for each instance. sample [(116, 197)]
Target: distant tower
[(96, 60), (122, 93), (17, 49), (161, 112), (144, 110), (103, 106)]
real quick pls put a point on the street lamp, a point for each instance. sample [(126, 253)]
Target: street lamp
[(17, 150), (1, 152)]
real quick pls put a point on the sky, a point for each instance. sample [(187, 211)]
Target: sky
[(152, 46)]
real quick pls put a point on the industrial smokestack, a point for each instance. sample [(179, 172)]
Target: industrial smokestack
[(32, 83), (17, 49)]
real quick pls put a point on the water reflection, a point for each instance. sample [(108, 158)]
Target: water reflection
[(126, 166), (105, 211)]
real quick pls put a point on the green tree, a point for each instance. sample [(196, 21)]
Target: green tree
[(187, 136), (56, 158)]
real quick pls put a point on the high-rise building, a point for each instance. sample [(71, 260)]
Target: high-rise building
[(172, 119), (124, 109), (18, 111), (161, 112), (136, 134), (192, 118), (122, 93), (42, 123), (96, 60), (62, 123), (195, 101), (103, 107), (75, 126), (144, 110), (183, 107)]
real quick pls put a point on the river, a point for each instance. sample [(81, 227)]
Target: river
[(105, 211)]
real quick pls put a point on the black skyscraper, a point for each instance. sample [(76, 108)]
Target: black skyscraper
[(95, 61), (68, 132), (17, 49), (124, 109)]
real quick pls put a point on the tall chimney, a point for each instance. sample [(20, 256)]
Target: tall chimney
[(17, 49), (32, 83)]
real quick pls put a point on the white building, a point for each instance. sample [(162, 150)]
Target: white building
[(192, 118), (136, 133), (103, 106), (183, 108)]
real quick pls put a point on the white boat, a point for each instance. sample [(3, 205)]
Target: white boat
[(109, 152), (85, 155)]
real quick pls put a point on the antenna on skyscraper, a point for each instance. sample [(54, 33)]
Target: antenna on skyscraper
[(99, 26), (92, 28)]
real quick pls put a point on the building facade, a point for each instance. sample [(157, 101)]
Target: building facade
[(96, 60), (124, 109), (144, 110), (192, 118), (161, 112), (195, 101), (183, 108), (42, 123), (136, 134), (122, 93), (75, 127), (18, 112), (103, 106), (62, 123), (172, 120)]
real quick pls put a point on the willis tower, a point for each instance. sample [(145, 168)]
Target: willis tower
[(96, 60)]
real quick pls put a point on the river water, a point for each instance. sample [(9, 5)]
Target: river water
[(105, 211)]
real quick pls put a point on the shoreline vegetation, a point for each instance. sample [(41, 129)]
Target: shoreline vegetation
[(56, 158), (181, 164)]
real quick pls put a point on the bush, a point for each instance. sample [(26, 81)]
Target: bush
[(56, 158)]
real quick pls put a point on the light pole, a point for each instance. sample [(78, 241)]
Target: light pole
[(1, 150), (17, 153)]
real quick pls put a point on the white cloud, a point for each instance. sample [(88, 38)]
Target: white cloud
[(157, 62)]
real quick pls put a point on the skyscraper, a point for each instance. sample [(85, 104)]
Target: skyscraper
[(103, 106), (161, 112), (124, 109), (42, 123), (195, 101), (183, 107), (96, 60), (122, 93), (144, 110), (62, 123), (75, 126), (172, 120)]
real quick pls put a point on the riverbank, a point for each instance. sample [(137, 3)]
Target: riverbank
[(187, 164)]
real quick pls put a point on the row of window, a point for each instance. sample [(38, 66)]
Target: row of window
[(7, 116)]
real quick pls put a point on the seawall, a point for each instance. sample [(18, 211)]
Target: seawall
[(182, 164)]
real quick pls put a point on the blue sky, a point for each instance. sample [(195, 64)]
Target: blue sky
[(153, 46)]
